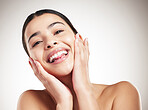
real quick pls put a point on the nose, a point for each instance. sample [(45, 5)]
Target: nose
[(51, 44)]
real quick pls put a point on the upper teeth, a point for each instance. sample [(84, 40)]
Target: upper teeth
[(57, 54)]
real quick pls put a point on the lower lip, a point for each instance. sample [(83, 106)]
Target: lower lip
[(63, 58)]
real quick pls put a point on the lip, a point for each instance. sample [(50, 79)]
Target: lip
[(56, 51)]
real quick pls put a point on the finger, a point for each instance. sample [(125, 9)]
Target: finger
[(33, 65), (54, 86), (79, 38), (44, 75), (36, 71), (80, 43), (47, 77), (51, 83), (41, 73), (86, 47), (77, 50), (87, 57)]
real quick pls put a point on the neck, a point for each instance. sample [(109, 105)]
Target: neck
[(67, 81)]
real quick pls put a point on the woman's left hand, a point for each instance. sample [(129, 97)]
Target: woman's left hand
[(80, 76)]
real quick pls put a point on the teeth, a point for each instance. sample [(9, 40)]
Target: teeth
[(57, 54)]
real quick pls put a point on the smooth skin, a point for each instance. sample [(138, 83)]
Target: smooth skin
[(67, 84)]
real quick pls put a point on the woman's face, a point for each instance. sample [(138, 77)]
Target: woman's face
[(50, 41)]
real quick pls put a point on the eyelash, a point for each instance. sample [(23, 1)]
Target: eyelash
[(57, 32), (36, 43)]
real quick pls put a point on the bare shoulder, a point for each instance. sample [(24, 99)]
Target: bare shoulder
[(122, 95), (34, 100), (125, 87), (122, 87), (126, 97)]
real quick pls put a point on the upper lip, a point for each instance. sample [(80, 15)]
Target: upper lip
[(56, 51)]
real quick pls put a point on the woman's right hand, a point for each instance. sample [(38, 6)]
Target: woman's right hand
[(58, 90)]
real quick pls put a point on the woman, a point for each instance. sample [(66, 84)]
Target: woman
[(59, 58)]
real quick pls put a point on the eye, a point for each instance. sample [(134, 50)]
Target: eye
[(58, 32), (36, 43)]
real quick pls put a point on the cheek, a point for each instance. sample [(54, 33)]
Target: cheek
[(69, 40), (36, 54)]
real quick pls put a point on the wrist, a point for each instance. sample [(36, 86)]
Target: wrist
[(64, 98), (65, 105), (83, 88)]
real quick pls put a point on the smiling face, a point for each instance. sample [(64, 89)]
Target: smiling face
[(50, 41)]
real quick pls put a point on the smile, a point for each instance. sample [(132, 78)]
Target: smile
[(58, 55)]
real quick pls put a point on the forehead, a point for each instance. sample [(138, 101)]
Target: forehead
[(41, 22)]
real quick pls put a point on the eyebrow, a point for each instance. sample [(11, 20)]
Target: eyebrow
[(38, 32), (52, 24)]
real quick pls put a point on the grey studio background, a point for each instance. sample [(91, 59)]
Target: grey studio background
[(117, 32)]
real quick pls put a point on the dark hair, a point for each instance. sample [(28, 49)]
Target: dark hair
[(39, 13)]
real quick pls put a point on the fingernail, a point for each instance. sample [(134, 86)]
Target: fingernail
[(80, 37), (30, 60), (86, 39), (30, 63)]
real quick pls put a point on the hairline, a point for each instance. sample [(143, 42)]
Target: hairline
[(40, 13)]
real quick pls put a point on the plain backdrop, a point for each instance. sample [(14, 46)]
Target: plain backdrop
[(117, 32)]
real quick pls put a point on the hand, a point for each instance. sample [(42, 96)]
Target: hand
[(58, 90), (80, 70), (80, 77)]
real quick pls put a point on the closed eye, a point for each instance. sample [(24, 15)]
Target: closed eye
[(58, 32), (36, 43)]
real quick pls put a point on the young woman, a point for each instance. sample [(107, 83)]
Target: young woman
[(59, 58)]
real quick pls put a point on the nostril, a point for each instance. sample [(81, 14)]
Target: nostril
[(55, 43), (48, 46)]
